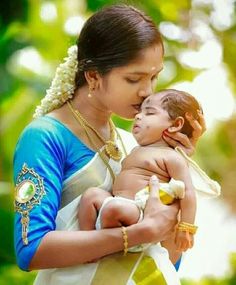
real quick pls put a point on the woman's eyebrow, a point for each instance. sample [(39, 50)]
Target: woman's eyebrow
[(139, 72), (144, 73)]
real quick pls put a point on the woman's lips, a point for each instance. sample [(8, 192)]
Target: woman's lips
[(137, 106)]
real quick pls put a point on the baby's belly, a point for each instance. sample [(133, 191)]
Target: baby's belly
[(128, 184)]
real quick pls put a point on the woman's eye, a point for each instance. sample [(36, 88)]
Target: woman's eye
[(130, 80), (154, 77)]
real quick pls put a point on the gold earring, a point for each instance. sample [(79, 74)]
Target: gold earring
[(91, 89)]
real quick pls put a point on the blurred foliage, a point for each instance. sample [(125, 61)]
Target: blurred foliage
[(11, 275), (24, 30), (229, 280), (222, 165)]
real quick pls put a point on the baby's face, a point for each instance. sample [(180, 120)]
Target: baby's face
[(151, 121)]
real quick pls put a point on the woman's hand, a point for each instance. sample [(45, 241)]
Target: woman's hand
[(187, 144), (159, 218)]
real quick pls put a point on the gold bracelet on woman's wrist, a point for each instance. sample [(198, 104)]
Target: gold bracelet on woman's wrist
[(186, 227), (125, 240)]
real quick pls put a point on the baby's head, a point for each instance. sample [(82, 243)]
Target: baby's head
[(177, 103), (162, 111)]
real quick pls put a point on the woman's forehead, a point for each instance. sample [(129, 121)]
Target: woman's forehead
[(148, 61)]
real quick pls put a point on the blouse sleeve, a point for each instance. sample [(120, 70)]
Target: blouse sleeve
[(38, 174)]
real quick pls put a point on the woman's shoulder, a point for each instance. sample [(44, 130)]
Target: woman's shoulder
[(46, 127), (44, 124), (45, 133)]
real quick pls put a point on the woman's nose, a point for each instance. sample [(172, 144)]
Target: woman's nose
[(145, 92)]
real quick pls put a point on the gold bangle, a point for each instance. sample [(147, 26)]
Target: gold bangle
[(125, 240), (186, 227)]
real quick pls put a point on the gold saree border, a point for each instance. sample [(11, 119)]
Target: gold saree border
[(147, 273), (115, 270)]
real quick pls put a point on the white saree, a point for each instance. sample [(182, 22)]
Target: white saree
[(150, 267)]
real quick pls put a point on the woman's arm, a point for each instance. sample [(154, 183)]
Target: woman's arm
[(68, 248), (63, 248), (44, 152)]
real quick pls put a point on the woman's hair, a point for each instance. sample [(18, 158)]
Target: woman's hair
[(178, 103), (113, 37)]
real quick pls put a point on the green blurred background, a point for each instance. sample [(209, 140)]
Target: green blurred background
[(200, 44)]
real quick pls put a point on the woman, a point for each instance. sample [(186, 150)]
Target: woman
[(73, 145)]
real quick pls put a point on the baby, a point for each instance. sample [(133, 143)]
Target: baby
[(163, 111)]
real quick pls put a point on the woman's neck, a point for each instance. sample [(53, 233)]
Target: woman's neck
[(90, 108)]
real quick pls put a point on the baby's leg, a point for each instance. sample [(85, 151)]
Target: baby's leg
[(119, 212), (90, 203)]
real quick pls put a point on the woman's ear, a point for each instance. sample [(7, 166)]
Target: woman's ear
[(92, 78), (177, 125)]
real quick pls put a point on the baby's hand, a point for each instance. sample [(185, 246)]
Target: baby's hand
[(183, 240)]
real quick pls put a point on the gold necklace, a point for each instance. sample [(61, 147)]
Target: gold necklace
[(110, 146), (101, 154)]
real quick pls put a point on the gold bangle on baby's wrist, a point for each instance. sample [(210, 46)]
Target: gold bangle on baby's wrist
[(125, 240), (186, 227)]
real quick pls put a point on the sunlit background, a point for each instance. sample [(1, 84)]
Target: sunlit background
[(200, 58)]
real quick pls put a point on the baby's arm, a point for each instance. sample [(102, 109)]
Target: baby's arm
[(178, 169)]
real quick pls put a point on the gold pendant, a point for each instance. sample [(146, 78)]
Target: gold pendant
[(112, 150)]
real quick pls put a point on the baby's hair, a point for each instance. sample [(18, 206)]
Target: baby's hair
[(178, 103)]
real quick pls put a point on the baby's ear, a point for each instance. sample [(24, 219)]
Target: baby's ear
[(177, 125)]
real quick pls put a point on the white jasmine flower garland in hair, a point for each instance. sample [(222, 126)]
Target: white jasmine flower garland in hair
[(63, 85)]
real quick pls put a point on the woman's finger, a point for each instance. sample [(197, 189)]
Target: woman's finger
[(202, 121), (154, 187), (199, 126), (177, 139), (180, 140), (197, 131)]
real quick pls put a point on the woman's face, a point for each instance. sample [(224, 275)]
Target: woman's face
[(151, 121), (124, 88)]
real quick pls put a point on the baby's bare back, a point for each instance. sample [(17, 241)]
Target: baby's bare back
[(138, 167)]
